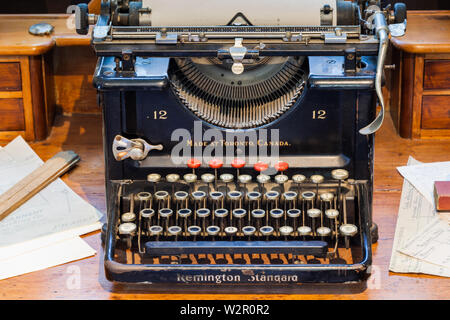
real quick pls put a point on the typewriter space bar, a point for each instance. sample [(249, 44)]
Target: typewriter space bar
[(163, 248)]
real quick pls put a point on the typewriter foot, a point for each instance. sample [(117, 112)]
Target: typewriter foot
[(374, 232)]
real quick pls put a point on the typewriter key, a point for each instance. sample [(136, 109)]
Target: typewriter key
[(260, 166), (161, 195), (266, 231), (144, 196), (263, 178), (174, 231), (238, 164), (221, 213), (155, 231), (304, 230), (327, 197), (207, 178), (181, 195), (190, 178), (173, 177), (165, 212), (339, 174), (226, 177), (281, 179), (276, 213), (316, 179), (128, 217), (298, 178), (235, 195), (254, 195), (147, 213), (308, 195), (127, 228), (313, 212), (154, 177), (194, 231), (184, 213), (198, 195), (286, 230), (332, 213), (231, 231), (216, 195), (203, 212), (293, 214), (213, 230), (245, 178), (290, 196), (239, 213), (248, 231), (215, 164), (258, 213), (272, 195), (348, 230), (323, 231), (194, 164)]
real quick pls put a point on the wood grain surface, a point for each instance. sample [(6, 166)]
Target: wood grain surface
[(426, 32), (82, 133)]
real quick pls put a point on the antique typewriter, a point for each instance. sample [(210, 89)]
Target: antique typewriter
[(238, 137)]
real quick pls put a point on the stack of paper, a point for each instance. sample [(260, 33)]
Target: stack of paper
[(44, 231), (422, 237)]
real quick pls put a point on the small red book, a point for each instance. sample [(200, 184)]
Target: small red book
[(442, 195)]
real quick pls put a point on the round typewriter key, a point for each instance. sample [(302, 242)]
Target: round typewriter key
[(281, 166), (231, 231), (304, 231), (258, 213), (155, 230), (194, 230), (213, 230), (194, 163), (339, 174), (128, 217), (294, 213), (248, 230), (181, 195), (313, 213), (215, 163), (161, 195), (254, 195), (165, 212), (260, 166), (144, 196), (173, 177), (216, 195), (239, 213), (276, 213), (308, 195), (299, 178), (281, 178), (198, 195), (147, 213), (154, 177), (332, 213), (316, 179), (238, 163), (221, 213), (263, 178), (127, 228), (226, 177), (266, 230), (174, 230), (323, 231), (203, 212), (184, 213), (348, 230), (207, 178), (235, 195), (190, 177), (286, 230), (290, 195), (245, 178), (327, 196), (272, 195)]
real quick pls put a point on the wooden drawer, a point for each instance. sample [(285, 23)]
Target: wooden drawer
[(11, 115), (10, 79), (436, 112), (436, 74)]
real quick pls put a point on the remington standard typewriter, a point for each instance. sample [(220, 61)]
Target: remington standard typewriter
[(238, 137)]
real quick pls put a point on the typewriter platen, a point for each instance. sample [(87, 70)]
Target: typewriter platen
[(238, 137)]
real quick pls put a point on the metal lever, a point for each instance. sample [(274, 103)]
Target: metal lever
[(382, 31), (237, 53), (136, 149)]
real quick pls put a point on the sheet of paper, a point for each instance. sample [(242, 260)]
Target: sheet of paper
[(415, 212), (432, 244), (56, 208), (49, 251), (422, 176)]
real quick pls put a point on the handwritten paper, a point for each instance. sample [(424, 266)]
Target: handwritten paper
[(54, 209), (415, 213), (432, 244)]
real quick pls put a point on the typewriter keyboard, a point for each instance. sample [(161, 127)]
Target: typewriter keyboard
[(230, 218)]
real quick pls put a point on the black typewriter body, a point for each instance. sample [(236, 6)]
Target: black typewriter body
[(305, 218)]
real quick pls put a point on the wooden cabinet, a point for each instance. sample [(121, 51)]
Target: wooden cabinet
[(420, 99)]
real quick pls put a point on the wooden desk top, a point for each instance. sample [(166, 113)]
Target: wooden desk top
[(426, 32), (15, 39), (82, 133)]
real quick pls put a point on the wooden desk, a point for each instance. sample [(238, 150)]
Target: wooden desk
[(27, 97), (82, 133), (420, 99)]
